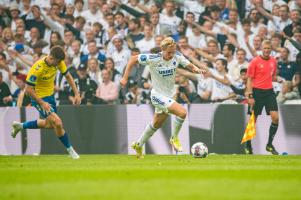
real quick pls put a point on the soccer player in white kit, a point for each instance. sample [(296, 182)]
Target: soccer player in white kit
[(162, 68)]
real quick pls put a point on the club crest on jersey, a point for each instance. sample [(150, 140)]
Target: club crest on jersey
[(143, 58), (32, 78), (174, 63)]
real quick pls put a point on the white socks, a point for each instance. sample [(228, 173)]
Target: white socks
[(147, 133), (177, 127)]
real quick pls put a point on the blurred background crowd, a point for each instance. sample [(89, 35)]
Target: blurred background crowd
[(99, 37)]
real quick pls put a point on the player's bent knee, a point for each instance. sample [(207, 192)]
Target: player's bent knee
[(275, 118), (58, 124), (182, 114)]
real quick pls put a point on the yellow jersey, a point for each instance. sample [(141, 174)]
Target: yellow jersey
[(42, 76)]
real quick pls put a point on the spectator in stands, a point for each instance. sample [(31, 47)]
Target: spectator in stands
[(168, 20), (107, 91), (121, 25), (292, 48), (221, 91), (234, 70), (287, 92), (36, 21), (110, 66), (86, 86), (135, 30), (239, 86), (148, 42), (295, 18), (121, 55), (5, 94), (75, 54), (228, 52), (135, 95), (14, 14), (78, 7), (286, 69), (93, 14), (19, 96), (5, 69), (101, 29), (184, 92), (94, 70), (93, 53), (204, 85)]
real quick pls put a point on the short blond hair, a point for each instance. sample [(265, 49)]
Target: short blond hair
[(266, 42), (167, 42)]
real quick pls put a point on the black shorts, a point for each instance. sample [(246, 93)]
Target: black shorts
[(264, 98)]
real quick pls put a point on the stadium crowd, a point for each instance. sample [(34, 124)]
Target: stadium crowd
[(99, 37)]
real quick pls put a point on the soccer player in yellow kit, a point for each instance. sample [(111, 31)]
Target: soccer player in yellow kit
[(40, 87)]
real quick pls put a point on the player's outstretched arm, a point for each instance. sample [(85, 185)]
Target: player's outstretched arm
[(77, 98), (29, 90), (197, 70), (132, 61)]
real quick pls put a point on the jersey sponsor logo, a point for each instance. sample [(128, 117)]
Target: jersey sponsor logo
[(155, 99), (168, 72), (178, 53), (143, 58), (154, 56), (33, 78)]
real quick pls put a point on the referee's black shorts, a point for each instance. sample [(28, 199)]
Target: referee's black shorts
[(264, 98)]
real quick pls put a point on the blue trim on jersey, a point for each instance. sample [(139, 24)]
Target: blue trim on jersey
[(31, 84), (178, 53), (43, 113)]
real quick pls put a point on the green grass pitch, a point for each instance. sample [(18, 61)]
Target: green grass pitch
[(155, 177)]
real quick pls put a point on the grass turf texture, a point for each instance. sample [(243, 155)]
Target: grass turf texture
[(155, 177)]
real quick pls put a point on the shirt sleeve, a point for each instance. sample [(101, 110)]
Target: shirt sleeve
[(63, 68), (33, 75), (251, 69), (182, 60)]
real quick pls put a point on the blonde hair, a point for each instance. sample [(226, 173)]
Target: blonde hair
[(167, 42), (266, 42), (89, 66)]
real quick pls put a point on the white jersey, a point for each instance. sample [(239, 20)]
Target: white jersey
[(163, 72), (219, 90)]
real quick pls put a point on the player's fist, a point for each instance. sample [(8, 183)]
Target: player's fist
[(77, 100), (123, 82), (46, 107), (251, 102)]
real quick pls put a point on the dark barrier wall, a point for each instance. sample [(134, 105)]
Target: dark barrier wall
[(226, 128), (97, 129), (111, 130)]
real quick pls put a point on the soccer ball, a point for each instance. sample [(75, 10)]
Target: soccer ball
[(199, 150)]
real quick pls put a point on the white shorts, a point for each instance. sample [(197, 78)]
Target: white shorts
[(161, 102)]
